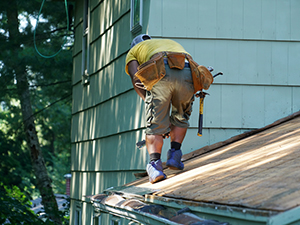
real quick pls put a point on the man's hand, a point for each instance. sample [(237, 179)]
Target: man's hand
[(132, 69)]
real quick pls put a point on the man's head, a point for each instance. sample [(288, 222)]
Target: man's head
[(140, 38)]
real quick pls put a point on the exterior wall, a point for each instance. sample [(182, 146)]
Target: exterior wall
[(107, 116), (255, 43)]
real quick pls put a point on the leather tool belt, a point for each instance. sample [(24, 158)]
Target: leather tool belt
[(152, 71)]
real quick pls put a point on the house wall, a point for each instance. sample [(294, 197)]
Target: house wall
[(255, 43), (107, 115)]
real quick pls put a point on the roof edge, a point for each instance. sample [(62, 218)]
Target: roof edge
[(139, 211), (287, 217), (213, 209)]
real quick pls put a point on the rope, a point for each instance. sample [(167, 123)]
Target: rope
[(34, 32)]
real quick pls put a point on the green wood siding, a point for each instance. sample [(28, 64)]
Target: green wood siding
[(107, 114), (96, 182), (108, 118), (113, 153), (256, 44), (233, 19)]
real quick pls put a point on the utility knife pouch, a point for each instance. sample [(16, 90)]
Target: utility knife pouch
[(202, 78), (152, 71), (176, 60)]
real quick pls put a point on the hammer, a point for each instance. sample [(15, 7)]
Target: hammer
[(200, 121), (202, 95)]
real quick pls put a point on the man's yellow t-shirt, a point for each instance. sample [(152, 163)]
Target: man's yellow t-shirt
[(143, 51)]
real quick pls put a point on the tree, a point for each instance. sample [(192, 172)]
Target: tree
[(24, 73), (18, 213)]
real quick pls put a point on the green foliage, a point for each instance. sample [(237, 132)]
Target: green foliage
[(57, 169), (14, 157), (50, 89), (14, 207)]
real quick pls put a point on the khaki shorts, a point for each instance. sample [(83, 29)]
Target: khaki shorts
[(174, 92)]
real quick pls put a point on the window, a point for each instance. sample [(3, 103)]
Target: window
[(85, 43), (78, 214), (136, 15), (115, 221), (96, 218)]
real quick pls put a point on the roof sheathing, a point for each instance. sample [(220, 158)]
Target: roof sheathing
[(255, 171), (259, 172), (252, 176)]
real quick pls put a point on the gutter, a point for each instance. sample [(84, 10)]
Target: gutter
[(132, 215), (138, 211), (230, 213), (143, 207)]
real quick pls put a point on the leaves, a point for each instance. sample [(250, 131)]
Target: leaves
[(50, 87), (14, 207)]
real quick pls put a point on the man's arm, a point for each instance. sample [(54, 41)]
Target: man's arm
[(132, 69)]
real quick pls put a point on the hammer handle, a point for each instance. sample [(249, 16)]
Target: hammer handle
[(200, 121)]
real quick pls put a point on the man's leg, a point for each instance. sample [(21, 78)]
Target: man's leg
[(177, 134), (154, 145), (174, 155)]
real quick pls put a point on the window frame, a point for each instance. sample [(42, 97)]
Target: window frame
[(85, 43), (115, 219), (78, 217), (136, 27), (96, 216)]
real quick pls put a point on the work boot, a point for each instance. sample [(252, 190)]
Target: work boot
[(174, 159), (155, 171)]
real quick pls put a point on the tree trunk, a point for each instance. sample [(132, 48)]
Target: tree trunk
[(42, 179)]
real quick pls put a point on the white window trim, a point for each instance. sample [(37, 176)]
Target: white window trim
[(78, 221), (95, 215), (115, 219), (85, 43), (135, 28), (134, 223)]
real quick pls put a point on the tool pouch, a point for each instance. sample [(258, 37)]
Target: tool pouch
[(202, 78), (176, 60), (152, 71)]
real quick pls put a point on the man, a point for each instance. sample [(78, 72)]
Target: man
[(163, 89)]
